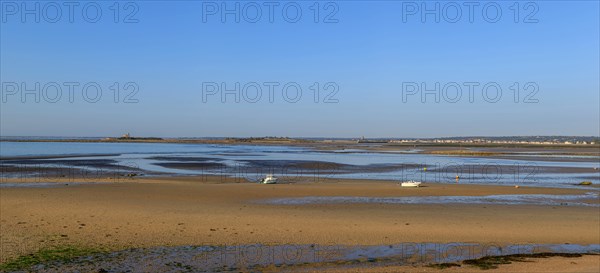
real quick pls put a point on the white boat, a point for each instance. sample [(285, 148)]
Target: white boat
[(410, 183), (270, 179)]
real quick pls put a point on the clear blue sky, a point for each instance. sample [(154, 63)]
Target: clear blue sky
[(369, 53)]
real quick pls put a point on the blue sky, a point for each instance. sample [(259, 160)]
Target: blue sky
[(371, 54)]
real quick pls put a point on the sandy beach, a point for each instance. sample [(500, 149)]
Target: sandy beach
[(175, 211)]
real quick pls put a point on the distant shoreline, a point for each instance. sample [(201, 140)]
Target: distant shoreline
[(307, 142)]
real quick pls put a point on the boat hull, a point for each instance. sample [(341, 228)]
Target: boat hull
[(411, 184)]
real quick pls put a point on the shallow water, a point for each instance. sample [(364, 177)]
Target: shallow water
[(235, 258), (240, 162), (507, 199)]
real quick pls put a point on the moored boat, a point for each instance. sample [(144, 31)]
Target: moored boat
[(270, 179), (411, 183)]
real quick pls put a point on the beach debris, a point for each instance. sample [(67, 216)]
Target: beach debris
[(517, 186), (444, 265), (492, 262)]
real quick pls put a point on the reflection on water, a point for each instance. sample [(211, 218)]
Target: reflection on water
[(258, 257), (243, 161), (507, 199)]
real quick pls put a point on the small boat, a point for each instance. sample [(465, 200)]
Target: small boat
[(410, 183), (270, 179)]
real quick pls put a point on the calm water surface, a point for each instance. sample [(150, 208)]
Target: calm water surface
[(237, 157)]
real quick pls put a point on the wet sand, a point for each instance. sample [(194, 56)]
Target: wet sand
[(175, 211), (495, 169), (584, 264), (193, 165), (338, 145)]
